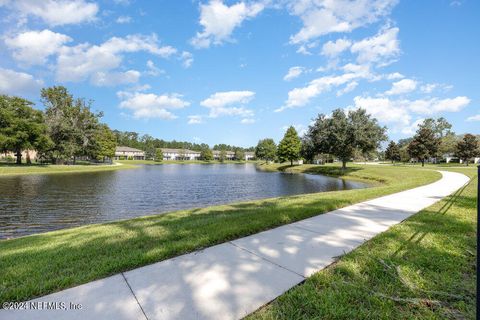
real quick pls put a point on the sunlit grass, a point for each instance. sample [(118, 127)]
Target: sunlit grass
[(24, 169), (423, 268)]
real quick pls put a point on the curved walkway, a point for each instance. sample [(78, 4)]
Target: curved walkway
[(233, 279)]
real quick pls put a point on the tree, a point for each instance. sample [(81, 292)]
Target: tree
[(308, 149), (158, 155), (290, 146), (266, 149), (239, 154), (424, 144), (448, 144), (206, 154), (467, 148), (341, 134), (21, 127), (223, 155), (105, 143), (392, 152), (71, 124)]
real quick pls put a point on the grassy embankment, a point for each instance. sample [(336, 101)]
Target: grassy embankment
[(40, 264), (24, 169), (423, 268)]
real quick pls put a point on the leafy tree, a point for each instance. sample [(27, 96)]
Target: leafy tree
[(468, 148), (440, 127), (181, 154), (392, 152), (266, 149), (206, 154), (424, 144), (21, 127), (105, 143), (341, 134), (223, 155), (239, 154), (72, 126), (158, 155), (308, 151), (448, 144), (290, 146)]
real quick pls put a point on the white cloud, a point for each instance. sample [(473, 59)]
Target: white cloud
[(474, 118), (324, 17), (187, 59), (293, 73), (385, 110), (34, 47), (56, 12), (436, 105), (153, 70), (349, 87), (105, 79), (399, 112), (124, 19), (219, 20), (18, 83), (298, 97), (332, 49), (394, 76), (84, 60), (229, 103), (412, 128), (149, 105), (247, 121), (195, 119), (402, 86), (380, 49)]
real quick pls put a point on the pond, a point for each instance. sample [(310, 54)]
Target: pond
[(38, 203)]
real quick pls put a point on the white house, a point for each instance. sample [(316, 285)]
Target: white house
[(249, 155), (180, 154), (128, 153), (229, 155)]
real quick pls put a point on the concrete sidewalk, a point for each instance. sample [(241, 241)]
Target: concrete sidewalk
[(233, 279)]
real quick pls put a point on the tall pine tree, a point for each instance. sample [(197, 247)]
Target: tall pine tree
[(290, 146)]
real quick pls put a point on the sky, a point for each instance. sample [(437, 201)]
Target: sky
[(235, 72)]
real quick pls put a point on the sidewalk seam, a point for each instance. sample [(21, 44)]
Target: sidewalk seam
[(133, 293), (263, 258)]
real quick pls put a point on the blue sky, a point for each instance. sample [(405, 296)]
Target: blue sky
[(237, 71)]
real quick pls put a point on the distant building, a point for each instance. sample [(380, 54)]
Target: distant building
[(229, 155), (249, 155), (126, 153), (180, 154)]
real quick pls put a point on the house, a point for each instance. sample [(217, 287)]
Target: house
[(180, 154), (229, 155), (127, 153), (249, 155)]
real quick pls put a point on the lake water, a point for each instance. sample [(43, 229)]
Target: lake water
[(39, 203)]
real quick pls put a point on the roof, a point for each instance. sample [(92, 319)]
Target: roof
[(169, 150), (126, 149), (250, 153)]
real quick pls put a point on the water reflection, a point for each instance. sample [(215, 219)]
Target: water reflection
[(39, 203)]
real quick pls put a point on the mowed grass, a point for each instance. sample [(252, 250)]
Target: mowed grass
[(40, 264), (423, 268), (24, 169)]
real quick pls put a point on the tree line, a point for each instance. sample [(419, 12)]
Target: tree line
[(341, 135), (151, 146), (433, 140), (65, 130)]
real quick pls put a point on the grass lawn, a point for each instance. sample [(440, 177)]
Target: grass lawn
[(40, 264), (422, 268), (24, 169)]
